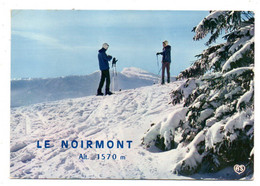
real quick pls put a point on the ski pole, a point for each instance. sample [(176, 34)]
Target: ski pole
[(114, 79), (157, 62), (159, 70)]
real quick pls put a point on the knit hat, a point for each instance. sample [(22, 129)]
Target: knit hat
[(165, 42), (105, 46)]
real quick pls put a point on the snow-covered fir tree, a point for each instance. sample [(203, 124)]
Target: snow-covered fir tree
[(216, 122)]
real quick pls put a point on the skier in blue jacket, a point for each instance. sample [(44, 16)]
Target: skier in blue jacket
[(103, 59), (166, 60)]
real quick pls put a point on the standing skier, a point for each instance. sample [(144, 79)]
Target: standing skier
[(166, 60), (103, 59)]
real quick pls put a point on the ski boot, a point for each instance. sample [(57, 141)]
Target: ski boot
[(162, 82), (108, 92), (99, 93), (168, 80)]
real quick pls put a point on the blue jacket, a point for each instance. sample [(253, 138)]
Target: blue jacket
[(166, 54), (103, 59)]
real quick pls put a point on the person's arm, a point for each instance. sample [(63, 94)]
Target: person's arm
[(161, 53), (107, 57)]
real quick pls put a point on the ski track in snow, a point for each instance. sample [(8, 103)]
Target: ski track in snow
[(127, 115)]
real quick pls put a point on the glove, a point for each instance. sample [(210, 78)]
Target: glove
[(158, 53), (114, 60)]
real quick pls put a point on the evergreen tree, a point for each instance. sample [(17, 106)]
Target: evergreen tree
[(218, 98)]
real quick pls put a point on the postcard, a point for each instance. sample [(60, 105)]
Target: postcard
[(132, 94)]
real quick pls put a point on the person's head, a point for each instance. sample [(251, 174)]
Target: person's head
[(105, 46), (165, 43)]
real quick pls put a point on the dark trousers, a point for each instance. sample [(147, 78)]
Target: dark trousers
[(166, 65), (104, 76)]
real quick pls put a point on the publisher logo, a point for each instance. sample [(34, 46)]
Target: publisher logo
[(239, 169)]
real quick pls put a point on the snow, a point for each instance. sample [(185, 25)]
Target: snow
[(238, 54), (237, 71), (205, 114), (247, 96), (166, 128), (211, 121), (219, 130), (232, 92), (214, 95), (137, 72), (17, 146), (252, 152), (124, 116), (242, 40), (200, 31), (188, 90), (221, 110), (214, 135), (211, 75), (192, 158), (237, 120), (197, 103), (239, 42)]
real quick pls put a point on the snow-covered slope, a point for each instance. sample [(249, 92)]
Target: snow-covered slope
[(125, 116), (31, 91)]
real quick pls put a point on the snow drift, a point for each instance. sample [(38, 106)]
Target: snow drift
[(124, 116)]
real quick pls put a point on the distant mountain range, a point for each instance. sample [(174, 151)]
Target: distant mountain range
[(31, 91)]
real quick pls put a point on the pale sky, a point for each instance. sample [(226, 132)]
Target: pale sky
[(49, 43)]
